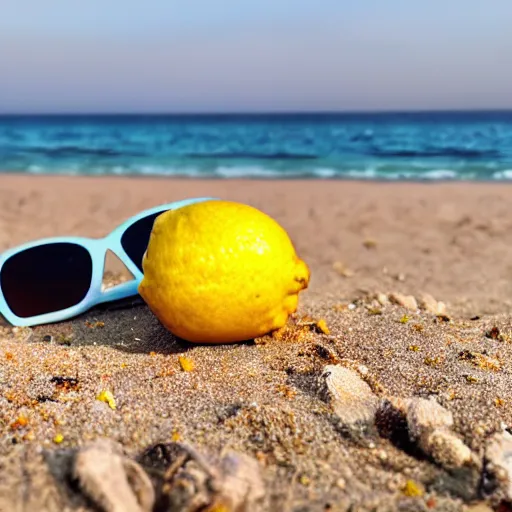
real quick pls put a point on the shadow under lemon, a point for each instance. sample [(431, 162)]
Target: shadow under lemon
[(128, 326)]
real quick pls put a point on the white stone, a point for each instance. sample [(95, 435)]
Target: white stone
[(351, 398)]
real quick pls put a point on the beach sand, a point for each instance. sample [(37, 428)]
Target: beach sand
[(263, 398)]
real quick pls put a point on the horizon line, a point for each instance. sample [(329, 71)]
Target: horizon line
[(260, 113)]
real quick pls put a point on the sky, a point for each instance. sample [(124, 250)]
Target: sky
[(66, 56)]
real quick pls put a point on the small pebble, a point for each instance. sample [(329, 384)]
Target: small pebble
[(498, 455), (430, 426), (406, 301), (351, 398), (382, 299), (431, 305), (341, 483)]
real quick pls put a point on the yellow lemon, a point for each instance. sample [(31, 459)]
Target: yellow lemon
[(220, 272)]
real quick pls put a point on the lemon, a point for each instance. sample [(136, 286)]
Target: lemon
[(220, 272)]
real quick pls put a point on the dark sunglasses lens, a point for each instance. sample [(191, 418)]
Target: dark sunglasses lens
[(46, 278), (136, 238)]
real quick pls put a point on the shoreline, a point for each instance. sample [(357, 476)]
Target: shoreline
[(300, 179)]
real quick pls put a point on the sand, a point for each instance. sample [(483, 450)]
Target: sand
[(261, 398)]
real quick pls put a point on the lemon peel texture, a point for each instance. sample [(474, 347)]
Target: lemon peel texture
[(221, 272)]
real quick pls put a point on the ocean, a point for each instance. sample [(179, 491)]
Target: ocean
[(381, 146)]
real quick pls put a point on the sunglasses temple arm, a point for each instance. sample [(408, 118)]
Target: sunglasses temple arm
[(120, 291)]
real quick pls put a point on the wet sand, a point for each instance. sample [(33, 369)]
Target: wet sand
[(261, 398)]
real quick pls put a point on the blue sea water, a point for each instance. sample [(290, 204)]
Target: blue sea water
[(394, 146)]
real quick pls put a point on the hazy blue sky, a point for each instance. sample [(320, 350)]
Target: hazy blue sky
[(219, 55)]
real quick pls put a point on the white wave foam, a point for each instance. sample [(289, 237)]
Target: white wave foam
[(255, 171), (36, 169), (506, 174), (325, 172), (157, 170), (439, 174), (248, 172), (363, 174)]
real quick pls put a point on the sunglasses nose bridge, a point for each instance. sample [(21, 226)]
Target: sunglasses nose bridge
[(116, 248)]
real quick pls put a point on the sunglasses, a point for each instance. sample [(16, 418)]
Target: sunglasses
[(54, 279)]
